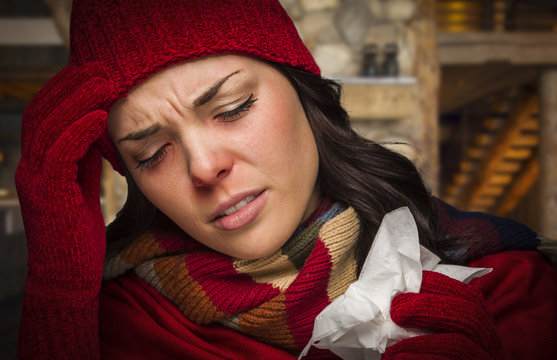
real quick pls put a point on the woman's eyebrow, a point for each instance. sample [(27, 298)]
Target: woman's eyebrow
[(213, 90), (141, 134), (201, 100)]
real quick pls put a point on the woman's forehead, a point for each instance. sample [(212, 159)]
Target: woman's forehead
[(189, 83), (203, 70)]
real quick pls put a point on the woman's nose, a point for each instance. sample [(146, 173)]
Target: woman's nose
[(208, 162)]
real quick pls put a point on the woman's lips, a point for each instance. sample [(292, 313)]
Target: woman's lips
[(238, 206), (239, 211)]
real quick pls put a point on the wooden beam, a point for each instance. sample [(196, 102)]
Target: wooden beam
[(428, 72), (547, 150), (465, 84), (481, 47), (521, 185)]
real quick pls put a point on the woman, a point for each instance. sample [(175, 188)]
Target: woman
[(252, 204)]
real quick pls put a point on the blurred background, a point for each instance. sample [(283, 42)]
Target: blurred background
[(470, 88)]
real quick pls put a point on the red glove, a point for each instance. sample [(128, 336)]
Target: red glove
[(58, 184), (456, 313)]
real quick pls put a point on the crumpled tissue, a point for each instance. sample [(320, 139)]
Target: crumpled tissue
[(358, 325)]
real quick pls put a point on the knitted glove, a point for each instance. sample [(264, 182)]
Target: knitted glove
[(456, 313), (58, 184)]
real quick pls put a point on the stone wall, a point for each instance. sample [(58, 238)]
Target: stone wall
[(400, 107), (337, 31)]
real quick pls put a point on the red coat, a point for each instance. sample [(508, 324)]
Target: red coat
[(521, 292), (137, 322)]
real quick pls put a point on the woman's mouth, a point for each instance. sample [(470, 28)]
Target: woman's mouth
[(241, 213), (239, 206)]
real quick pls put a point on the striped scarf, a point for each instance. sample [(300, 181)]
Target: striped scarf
[(273, 299), (276, 299)]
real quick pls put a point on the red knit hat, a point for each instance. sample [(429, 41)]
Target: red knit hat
[(133, 39)]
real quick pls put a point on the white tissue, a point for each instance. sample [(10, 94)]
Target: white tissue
[(358, 325)]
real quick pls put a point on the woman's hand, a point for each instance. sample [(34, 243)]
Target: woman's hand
[(457, 315), (58, 184)]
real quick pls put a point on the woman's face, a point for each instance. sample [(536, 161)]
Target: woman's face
[(222, 146)]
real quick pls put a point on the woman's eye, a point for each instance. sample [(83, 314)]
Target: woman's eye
[(153, 160), (239, 111)]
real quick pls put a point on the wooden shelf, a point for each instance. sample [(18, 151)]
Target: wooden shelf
[(480, 47), (380, 98)]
